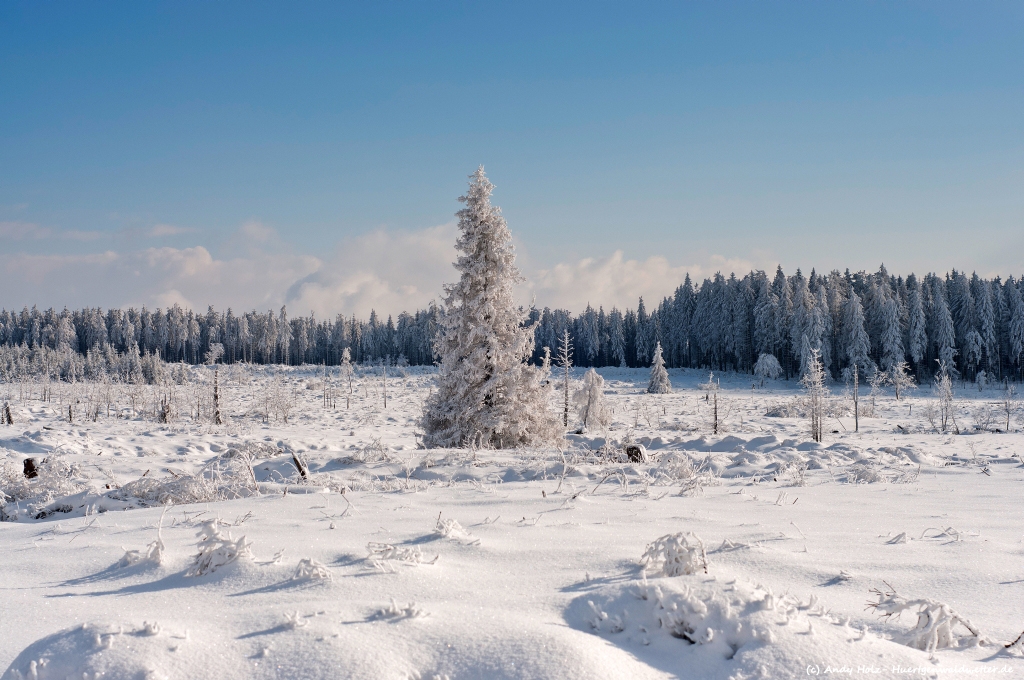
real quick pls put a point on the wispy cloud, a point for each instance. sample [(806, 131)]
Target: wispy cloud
[(21, 231), (162, 230), (386, 270)]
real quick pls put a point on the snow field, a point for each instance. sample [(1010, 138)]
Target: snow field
[(526, 563)]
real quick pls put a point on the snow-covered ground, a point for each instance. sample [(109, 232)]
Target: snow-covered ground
[(391, 561)]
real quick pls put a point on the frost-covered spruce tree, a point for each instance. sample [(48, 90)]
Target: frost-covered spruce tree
[(659, 383), (487, 394)]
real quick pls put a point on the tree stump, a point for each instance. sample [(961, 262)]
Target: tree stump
[(636, 453)]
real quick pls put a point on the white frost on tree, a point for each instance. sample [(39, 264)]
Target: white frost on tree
[(487, 394), (659, 383), (589, 401), (767, 367)]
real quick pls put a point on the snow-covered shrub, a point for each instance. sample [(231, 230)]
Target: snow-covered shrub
[(217, 550), (936, 621), (55, 478), (589, 401), (226, 477), (311, 570), (676, 555), (767, 366)]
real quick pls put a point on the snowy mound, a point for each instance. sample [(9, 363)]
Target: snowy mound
[(700, 626), (116, 651)]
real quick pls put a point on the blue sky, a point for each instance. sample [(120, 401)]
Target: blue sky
[(181, 140)]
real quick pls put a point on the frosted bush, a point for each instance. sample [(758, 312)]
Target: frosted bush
[(589, 401), (767, 366), (676, 555), (227, 477), (217, 550), (56, 477), (936, 626)]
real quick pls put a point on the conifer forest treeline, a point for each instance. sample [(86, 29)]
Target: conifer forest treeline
[(873, 321)]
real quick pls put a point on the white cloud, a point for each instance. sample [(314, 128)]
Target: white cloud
[(19, 231), (386, 270), (617, 282)]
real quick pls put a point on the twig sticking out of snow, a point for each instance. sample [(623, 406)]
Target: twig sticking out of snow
[(935, 620), (293, 621), (217, 550), (311, 570), (677, 554)]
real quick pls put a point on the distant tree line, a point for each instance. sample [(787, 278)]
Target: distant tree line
[(873, 321)]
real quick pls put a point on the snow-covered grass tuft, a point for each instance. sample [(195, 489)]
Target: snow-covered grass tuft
[(312, 570), (676, 554), (450, 528), (217, 550), (396, 612), (154, 553), (936, 626), (380, 553)]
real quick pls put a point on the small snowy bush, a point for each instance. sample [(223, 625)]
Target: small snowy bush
[(55, 477), (676, 554), (217, 550), (589, 401), (767, 366)]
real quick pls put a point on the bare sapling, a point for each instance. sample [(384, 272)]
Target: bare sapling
[(1009, 403), (814, 382), (385, 381), (900, 379), (346, 372), (711, 388), (943, 389), (856, 400), (564, 359)]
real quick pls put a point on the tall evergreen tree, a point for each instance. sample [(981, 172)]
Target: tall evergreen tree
[(486, 393)]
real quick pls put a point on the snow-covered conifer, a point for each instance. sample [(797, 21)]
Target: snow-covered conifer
[(486, 392), (892, 337), (918, 336), (659, 383)]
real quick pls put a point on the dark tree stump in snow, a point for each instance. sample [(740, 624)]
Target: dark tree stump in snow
[(31, 471), (636, 453)]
